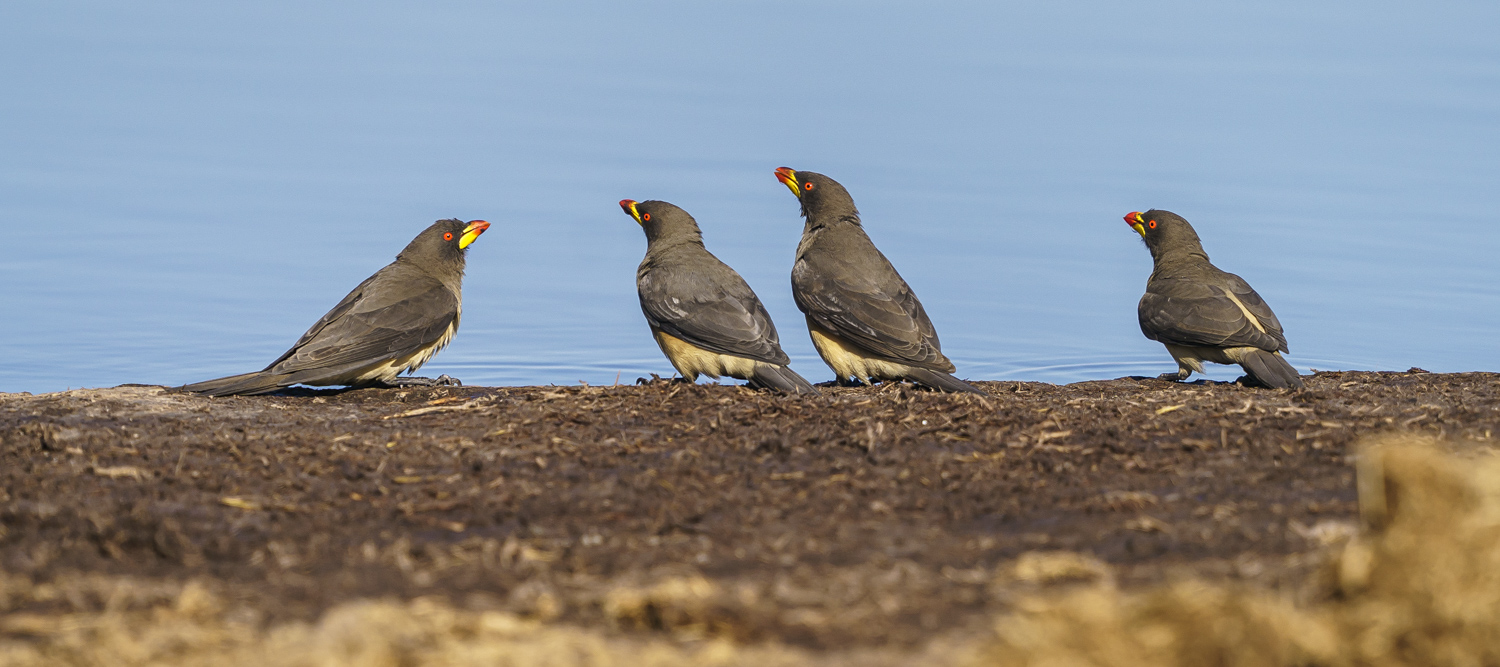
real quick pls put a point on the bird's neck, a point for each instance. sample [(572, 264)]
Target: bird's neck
[(450, 274), (663, 245), (1183, 255), (838, 232), (817, 222)]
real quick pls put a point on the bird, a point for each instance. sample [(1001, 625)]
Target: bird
[(703, 315), (864, 319), (1201, 313), (393, 322)]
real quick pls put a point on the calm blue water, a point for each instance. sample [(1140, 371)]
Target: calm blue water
[(185, 187)]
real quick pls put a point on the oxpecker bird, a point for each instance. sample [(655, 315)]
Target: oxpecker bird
[(702, 314), (1203, 314), (863, 318), (393, 322)]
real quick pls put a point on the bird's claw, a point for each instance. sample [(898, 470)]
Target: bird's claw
[(444, 380), (1172, 377)]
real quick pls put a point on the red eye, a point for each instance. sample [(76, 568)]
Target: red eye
[(807, 186), (1151, 224), (645, 216), (447, 236)]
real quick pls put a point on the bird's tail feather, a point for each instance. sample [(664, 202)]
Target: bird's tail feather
[(781, 378), (238, 385), (1271, 370), (942, 381)]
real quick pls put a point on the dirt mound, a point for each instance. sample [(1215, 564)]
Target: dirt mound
[(1105, 521), (1420, 587)]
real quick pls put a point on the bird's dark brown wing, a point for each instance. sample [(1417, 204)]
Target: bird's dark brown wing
[(1257, 307), (700, 300), (394, 313), (1189, 311), (857, 294)]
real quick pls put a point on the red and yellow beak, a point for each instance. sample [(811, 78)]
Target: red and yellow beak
[(472, 232), (1136, 222), (629, 206), (789, 178)]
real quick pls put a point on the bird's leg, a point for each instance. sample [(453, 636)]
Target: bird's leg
[(853, 382), (1248, 380), (1180, 376), (439, 381)]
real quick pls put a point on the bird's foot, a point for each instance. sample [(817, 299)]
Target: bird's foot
[(657, 379), (1248, 381), (439, 381), (1173, 377), (840, 382)]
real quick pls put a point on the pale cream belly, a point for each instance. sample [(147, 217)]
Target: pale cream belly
[(387, 371), (692, 361), (849, 361), (1191, 358)]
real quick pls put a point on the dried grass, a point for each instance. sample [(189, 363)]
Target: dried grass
[(1420, 586), (154, 624)]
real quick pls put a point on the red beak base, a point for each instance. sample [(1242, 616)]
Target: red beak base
[(786, 175)]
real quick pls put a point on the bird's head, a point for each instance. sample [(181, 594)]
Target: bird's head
[(821, 197), (1164, 232), (444, 243), (662, 221)]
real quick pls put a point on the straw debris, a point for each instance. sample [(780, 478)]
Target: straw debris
[(1420, 586)]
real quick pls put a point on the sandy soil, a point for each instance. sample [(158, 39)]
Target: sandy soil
[(866, 519)]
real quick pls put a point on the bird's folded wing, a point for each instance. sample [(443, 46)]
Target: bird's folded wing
[(883, 317), (1257, 307), (719, 315), (382, 319), (1190, 312)]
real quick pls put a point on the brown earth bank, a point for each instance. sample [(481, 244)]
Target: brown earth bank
[(864, 520)]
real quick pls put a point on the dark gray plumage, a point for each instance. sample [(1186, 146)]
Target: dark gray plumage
[(393, 322), (1203, 314), (703, 315), (864, 319)]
